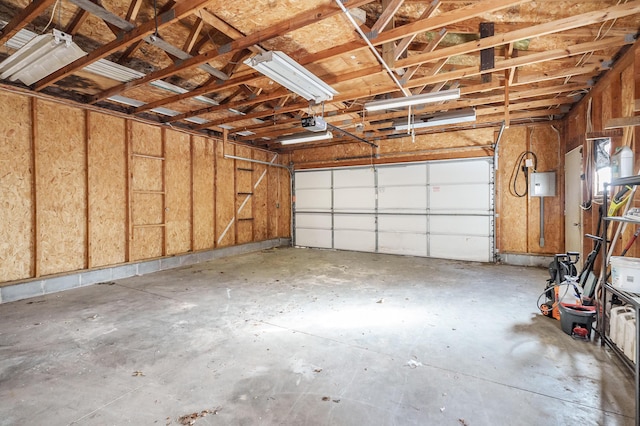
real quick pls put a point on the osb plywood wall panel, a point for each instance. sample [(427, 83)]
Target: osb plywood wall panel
[(513, 210), (273, 201), (284, 211), (178, 192), (98, 197), (107, 189), (146, 174), (244, 196), (545, 142), (16, 225), (147, 192), (203, 193), (260, 196), (146, 243), (146, 139), (225, 195), (60, 185)]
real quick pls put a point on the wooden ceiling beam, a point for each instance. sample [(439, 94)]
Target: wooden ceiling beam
[(520, 61), (409, 73), (134, 9), (389, 11), (180, 11), (360, 93), (225, 28), (404, 43), (471, 27), (613, 12), (78, 19), (299, 21), (444, 20), (25, 16), (193, 35)]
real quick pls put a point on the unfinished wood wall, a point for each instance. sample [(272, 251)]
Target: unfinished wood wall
[(616, 95), (519, 217), (81, 189), (517, 226)]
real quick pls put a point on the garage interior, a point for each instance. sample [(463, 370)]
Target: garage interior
[(313, 212)]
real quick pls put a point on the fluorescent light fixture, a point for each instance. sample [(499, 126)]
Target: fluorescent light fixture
[(305, 137), (285, 71), (41, 56), (452, 117), (444, 95)]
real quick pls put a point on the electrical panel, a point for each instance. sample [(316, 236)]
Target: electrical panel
[(542, 184)]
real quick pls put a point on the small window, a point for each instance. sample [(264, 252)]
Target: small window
[(602, 149)]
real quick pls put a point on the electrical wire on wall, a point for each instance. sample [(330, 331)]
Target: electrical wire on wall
[(521, 168)]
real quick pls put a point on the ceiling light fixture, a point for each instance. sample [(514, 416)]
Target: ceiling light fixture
[(41, 56), (306, 137), (452, 117), (444, 95), (285, 71)]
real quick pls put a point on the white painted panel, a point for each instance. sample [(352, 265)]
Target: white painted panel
[(460, 248), (350, 178), (351, 222), (313, 238), (462, 198), (402, 199), (354, 199), (411, 244), (410, 174), (461, 225), (405, 223), (464, 171), (313, 199), (309, 220), (355, 240), (315, 179)]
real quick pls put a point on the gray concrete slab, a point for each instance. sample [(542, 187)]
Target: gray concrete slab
[(297, 336)]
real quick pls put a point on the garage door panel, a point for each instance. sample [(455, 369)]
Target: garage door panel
[(402, 199), (410, 174), (460, 225), (466, 171), (349, 178), (465, 198), (402, 223), (319, 238), (460, 247), (410, 244), (354, 199), (355, 221), (438, 209), (313, 199), (309, 220), (316, 179), (355, 240)]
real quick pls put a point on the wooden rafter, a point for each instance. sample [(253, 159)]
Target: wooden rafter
[(389, 10), (78, 19), (224, 27), (559, 25), (403, 44), (181, 10), (35, 8), (299, 21), (520, 61)]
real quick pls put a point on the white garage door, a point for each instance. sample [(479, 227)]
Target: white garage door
[(438, 209)]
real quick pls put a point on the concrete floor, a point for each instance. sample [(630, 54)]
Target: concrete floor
[(305, 337)]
